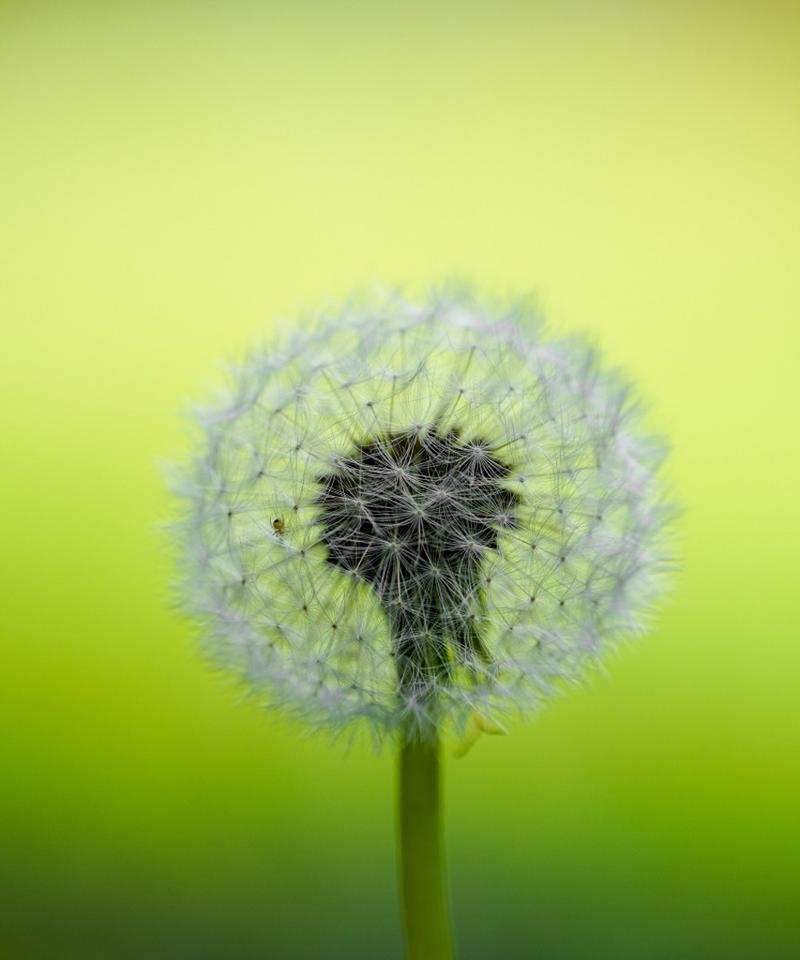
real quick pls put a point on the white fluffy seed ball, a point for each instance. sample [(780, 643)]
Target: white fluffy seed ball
[(414, 514)]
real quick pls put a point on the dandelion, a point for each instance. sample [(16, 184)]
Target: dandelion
[(415, 518)]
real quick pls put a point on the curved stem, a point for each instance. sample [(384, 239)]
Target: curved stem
[(420, 848)]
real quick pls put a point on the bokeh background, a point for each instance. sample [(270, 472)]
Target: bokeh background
[(176, 177)]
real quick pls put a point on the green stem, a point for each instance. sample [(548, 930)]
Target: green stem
[(426, 919)]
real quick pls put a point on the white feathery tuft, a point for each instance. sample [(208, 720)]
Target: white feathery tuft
[(411, 514)]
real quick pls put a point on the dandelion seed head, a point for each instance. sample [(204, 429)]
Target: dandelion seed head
[(406, 514)]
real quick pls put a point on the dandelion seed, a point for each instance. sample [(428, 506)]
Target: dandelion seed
[(395, 456)]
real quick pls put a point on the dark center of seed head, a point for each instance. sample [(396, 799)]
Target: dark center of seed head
[(413, 514)]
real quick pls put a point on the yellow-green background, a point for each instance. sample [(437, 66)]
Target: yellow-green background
[(173, 177)]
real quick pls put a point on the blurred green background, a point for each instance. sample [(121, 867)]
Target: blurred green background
[(174, 177)]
